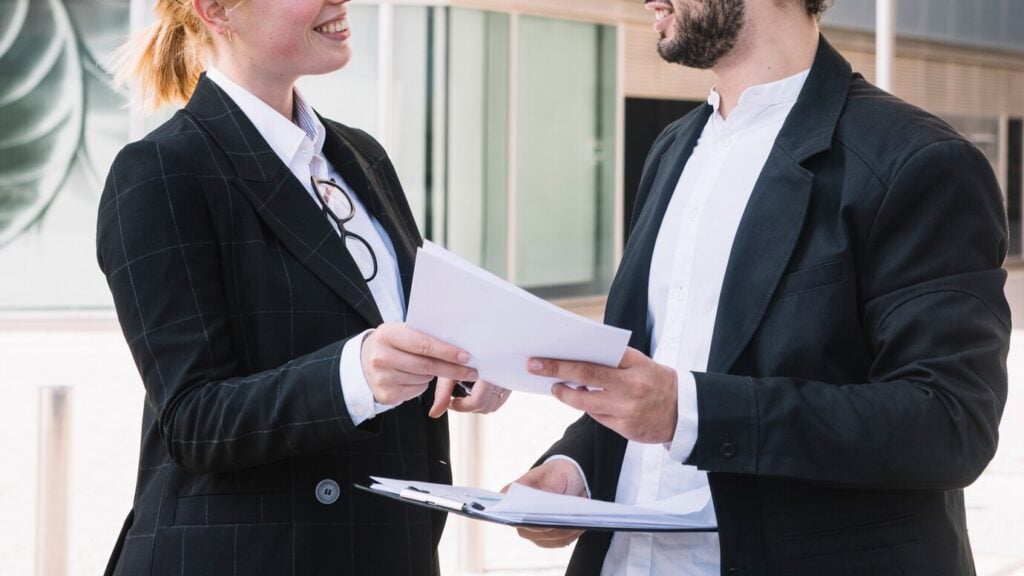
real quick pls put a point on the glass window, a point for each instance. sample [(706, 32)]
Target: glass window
[(477, 137), (62, 123), (986, 23), (408, 142), (565, 172)]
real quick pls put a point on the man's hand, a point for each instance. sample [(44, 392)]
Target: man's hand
[(638, 399), (400, 362), (484, 398), (561, 477)]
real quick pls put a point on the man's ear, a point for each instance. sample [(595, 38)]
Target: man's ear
[(214, 14)]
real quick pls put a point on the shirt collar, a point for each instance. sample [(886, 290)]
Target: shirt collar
[(758, 98), (285, 138)]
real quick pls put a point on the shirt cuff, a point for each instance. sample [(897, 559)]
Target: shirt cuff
[(574, 463), (354, 387), (686, 426)]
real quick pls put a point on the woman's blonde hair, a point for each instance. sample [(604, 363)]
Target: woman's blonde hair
[(165, 59)]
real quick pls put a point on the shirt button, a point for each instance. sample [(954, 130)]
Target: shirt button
[(679, 293), (327, 491), (726, 141), (692, 211)]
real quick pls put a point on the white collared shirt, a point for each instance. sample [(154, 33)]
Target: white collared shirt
[(687, 270), (300, 147)]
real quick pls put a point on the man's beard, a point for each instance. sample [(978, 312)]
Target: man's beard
[(703, 35)]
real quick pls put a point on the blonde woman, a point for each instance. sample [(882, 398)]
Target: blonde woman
[(259, 258)]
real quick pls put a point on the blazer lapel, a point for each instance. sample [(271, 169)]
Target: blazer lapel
[(627, 301), (774, 217), (368, 177), (280, 200)]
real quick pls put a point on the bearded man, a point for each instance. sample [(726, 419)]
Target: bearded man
[(814, 285)]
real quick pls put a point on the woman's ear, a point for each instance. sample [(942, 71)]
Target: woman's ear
[(214, 14)]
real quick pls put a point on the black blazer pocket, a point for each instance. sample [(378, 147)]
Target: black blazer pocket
[(221, 509), (817, 276), (849, 538)]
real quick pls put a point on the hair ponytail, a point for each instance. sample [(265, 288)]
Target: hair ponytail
[(166, 59)]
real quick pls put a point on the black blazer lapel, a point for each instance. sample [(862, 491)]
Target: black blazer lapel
[(774, 217), (369, 177), (279, 199), (627, 300)]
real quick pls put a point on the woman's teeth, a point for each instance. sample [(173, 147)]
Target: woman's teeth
[(333, 27)]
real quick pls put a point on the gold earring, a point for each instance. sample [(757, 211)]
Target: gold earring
[(231, 38)]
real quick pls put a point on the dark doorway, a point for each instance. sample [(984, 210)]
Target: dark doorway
[(1014, 181), (645, 119)]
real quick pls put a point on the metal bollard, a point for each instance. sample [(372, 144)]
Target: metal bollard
[(52, 482)]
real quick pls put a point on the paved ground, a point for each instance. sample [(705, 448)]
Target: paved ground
[(106, 419)]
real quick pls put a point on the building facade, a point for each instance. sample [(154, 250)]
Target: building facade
[(518, 127)]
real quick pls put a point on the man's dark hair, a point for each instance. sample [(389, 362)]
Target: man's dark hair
[(817, 7)]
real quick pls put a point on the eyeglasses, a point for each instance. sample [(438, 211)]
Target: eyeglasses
[(338, 206)]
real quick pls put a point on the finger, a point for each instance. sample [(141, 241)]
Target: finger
[(591, 402), (549, 537), (502, 398), (534, 534), (484, 399), (531, 479), (565, 538), (477, 400), (578, 372), (419, 344), (442, 397), (498, 396), (415, 364)]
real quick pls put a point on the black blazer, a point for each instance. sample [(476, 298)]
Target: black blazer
[(858, 363), (236, 297)]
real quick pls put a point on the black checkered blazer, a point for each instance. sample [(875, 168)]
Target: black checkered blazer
[(236, 297)]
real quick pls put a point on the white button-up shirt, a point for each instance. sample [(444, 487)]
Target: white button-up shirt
[(300, 147), (687, 270)]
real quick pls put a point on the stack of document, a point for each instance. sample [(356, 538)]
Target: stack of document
[(524, 506), (501, 325)]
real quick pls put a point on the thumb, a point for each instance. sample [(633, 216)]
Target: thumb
[(442, 397)]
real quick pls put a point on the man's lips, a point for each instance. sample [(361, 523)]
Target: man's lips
[(662, 14)]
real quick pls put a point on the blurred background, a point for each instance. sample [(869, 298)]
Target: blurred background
[(519, 129)]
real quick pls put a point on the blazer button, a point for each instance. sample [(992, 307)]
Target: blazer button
[(327, 491), (727, 450)]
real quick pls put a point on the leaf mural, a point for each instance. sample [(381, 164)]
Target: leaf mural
[(41, 109)]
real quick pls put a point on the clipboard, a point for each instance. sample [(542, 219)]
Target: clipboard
[(476, 511)]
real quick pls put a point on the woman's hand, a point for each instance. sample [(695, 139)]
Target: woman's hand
[(399, 363), (484, 398)]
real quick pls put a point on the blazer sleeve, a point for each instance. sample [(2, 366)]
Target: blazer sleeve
[(937, 322), (159, 249)]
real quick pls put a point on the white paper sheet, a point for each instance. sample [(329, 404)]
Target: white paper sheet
[(501, 325)]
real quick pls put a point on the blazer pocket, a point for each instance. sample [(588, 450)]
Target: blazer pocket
[(817, 276), (864, 536), (222, 509)]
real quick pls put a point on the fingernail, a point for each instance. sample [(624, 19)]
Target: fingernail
[(535, 365), (473, 375), (463, 357)]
